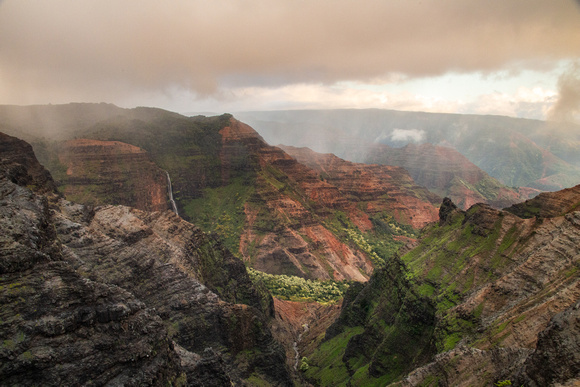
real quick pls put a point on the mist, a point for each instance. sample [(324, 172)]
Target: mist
[(567, 106)]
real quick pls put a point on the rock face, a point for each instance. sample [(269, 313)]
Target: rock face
[(114, 295), (374, 188), (548, 204), (20, 168), (112, 172), (59, 328), (557, 355), (503, 295)]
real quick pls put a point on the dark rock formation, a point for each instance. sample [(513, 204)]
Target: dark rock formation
[(18, 167), (114, 295), (446, 211), (57, 327), (557, 355)]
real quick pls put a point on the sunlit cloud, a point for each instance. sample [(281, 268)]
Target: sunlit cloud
[(252, 54)]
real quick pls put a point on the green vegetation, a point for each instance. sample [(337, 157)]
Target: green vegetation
[(411, 300), (326, 365), (221, 210), (299, 289), (379, 244), (393, 324)]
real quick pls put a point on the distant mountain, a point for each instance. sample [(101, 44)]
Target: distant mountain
[(445, 172), (548, 204), (280, 215), (517, 152)]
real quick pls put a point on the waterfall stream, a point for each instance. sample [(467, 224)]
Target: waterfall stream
[(170, 193), (295, 347)]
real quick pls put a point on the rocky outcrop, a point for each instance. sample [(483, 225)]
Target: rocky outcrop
[(446, 212), (548, 204), (58, 327), (114, 295), (557, 355), (19, 167), (112, 172)]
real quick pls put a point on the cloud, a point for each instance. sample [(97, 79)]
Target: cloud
[(408, 135), (533, 103), (106, 50), (567, 106)]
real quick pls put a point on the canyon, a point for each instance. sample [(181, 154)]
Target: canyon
[(482, 298), (125, 286), (281, 215)]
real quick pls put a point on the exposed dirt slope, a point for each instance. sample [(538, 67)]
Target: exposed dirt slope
[(286, 219)]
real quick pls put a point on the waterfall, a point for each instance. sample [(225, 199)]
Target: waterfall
[(295, 347), (170, 193)]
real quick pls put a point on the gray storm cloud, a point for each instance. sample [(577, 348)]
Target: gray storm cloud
[(567, 106), (91, 50)]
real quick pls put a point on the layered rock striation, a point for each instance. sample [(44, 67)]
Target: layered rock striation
[(485, 297), (112, 172), (372, 187), (281, 216), (115, 295)]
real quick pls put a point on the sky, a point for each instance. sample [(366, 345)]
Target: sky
[(518, 57)]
